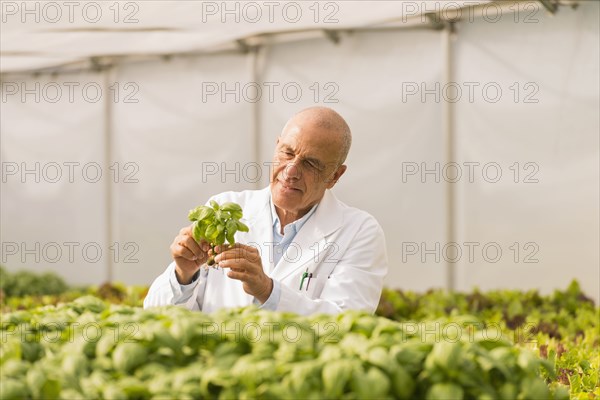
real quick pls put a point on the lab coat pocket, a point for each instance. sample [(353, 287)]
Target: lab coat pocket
[(311, 281)]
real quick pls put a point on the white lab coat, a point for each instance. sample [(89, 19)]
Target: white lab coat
[(343, 248)]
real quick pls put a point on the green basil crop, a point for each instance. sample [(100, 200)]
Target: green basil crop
[(559, 329), (91, 349), (562, 328)]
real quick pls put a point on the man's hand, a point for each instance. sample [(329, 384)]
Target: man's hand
[(188, 254), (245, 265)]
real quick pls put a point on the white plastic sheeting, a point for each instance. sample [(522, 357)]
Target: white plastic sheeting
[(178, 144), (53, 206), (550, 127), (45, 34)]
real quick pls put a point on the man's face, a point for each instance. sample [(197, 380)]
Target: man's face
[(305, 164)]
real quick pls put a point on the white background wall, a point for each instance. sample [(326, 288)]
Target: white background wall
[(172, 134), (558, 134)]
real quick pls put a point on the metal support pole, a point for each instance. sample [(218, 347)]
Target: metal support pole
[(108, 156), (256, 73), (449, 146)]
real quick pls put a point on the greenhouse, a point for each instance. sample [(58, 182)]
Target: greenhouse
[(300, 200)]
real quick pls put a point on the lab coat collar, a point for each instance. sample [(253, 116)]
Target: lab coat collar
[(310, 241), (260, 225)]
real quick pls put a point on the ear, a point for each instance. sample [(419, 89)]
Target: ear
[(336, 176)]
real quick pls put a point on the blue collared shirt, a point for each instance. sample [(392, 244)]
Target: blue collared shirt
[(280, 245)]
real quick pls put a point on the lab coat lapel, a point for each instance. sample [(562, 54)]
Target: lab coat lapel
[(261, 229), (311, 240)]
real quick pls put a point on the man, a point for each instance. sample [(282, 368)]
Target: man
[(305, 252)]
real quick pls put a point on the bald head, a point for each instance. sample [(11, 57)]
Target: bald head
[(308, 160), (326, 119)]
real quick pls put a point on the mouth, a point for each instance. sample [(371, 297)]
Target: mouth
[(288, 188)]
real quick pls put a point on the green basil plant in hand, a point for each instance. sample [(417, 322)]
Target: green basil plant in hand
[(216, 223)]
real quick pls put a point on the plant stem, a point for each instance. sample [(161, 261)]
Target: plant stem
[(211, 259)]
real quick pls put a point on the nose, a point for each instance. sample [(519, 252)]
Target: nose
[(292, 172)]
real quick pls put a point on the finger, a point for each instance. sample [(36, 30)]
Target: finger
[(238, 247), (235, 265), (192, 245), (223, 247), (239, 269), (238, 253), (187, 231), (240, 276), (232, 254), (250, 252), (205, 246), (183, 252), (185, 238)]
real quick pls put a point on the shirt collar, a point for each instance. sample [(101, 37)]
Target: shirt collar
[(294, 226)]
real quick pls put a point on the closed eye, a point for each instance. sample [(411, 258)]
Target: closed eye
[(287, 154), (311, 164)]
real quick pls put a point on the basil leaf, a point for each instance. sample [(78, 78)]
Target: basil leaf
[(211, 232), (231, 207), (242, 227)]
